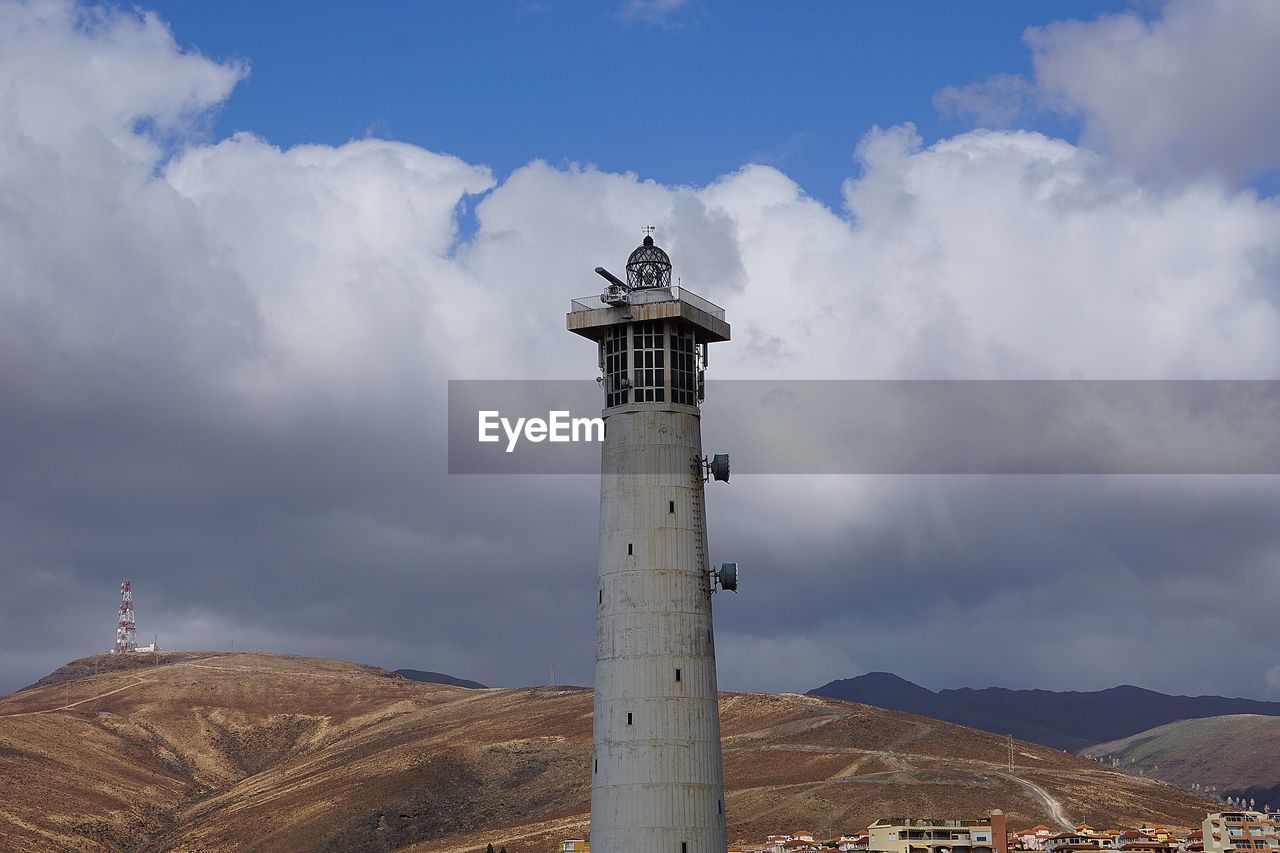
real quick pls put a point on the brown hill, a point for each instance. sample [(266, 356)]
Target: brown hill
[(1239, 754), (269, 752)]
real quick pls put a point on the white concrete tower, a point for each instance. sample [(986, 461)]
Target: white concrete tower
[(657, 782)]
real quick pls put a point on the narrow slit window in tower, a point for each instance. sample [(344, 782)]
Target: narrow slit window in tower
[(629, 551), (671, 507), (677, 675), (628, 718)]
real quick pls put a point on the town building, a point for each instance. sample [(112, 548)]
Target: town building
[(918, 835), (915, 835), (1069, 842), (1031, 839), (1241, 830)]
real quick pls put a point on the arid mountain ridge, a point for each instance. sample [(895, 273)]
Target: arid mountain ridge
[(1239, 755), (214, 751), (439, 678), (1071, 720)]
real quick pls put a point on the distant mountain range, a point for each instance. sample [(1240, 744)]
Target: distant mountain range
[(1066, 720), (439, 678)]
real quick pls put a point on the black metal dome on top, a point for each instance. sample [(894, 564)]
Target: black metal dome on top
[(648, 267)]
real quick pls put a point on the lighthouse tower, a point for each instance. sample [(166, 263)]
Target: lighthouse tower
[(657, 777)]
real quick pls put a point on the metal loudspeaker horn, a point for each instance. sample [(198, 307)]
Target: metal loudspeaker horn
[(727, 576), (717, 468)]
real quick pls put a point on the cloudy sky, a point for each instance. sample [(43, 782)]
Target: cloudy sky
[(243, 250)]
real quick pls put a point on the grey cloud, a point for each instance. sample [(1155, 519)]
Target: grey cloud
[(226, 380)]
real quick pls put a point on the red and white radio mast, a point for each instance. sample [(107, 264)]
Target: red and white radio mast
[(124, 630)]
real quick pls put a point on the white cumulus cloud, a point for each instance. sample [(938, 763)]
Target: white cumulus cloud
[(1188, 91), (1192, 90)]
